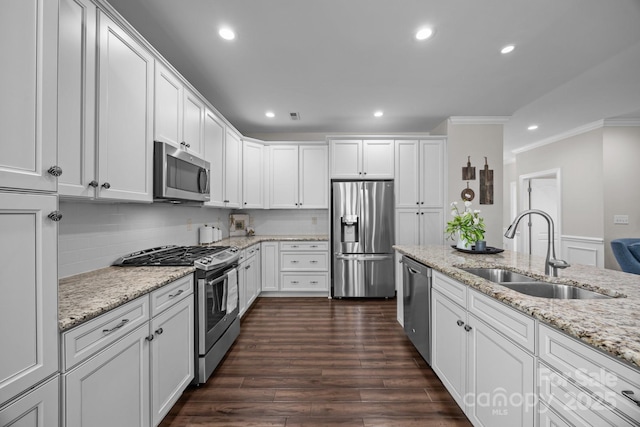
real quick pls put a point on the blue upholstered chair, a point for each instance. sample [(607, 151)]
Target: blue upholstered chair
[(627, 253)]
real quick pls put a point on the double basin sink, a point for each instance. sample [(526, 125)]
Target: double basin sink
[(533, 287)]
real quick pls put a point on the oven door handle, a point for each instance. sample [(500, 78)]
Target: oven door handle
[(216, 281)]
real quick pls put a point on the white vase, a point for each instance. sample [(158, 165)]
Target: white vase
[(462, 243)]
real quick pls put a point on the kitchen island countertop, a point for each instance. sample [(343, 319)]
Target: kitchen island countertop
[(611, 325)]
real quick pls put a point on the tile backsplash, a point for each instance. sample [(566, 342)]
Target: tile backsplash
[(93, 235)]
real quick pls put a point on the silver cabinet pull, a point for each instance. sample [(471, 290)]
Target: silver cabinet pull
[(55, 216), (314, 246), (159, 331), (106, 186), (314, 282), (150, 337), (460, 322), (294, 246), (93, 184), (628, 394), (55, 170), (294, 261), (313, 261), (247, 267), (115, 328), (176, 294), (295, 282), (467, 328)]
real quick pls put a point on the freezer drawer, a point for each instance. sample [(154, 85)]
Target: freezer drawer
[(370, 276)]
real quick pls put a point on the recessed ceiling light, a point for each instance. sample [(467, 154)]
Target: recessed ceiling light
[(532, 127), (507, 49), (227, 33), (378, 114), (424, 33), (270, 114)]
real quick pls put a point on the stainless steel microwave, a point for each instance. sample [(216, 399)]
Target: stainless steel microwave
[(179, 175)]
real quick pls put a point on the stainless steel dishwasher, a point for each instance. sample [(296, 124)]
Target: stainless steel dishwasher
[(416, 287)]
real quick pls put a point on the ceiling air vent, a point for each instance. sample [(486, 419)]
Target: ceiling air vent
[(295, 116)]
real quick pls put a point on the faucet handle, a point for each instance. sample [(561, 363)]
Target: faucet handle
[(559, 263)]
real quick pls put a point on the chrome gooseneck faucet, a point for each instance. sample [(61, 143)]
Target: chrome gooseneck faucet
[(552, 264)]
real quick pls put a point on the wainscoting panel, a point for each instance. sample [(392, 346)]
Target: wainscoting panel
[(583, 250)]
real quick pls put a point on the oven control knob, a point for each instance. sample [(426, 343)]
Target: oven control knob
[(206, 260)]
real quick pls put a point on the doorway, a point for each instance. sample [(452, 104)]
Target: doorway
[(540, 190)]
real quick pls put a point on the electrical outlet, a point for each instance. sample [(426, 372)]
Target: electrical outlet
[(621, 219), (314, 220), (189, 224)]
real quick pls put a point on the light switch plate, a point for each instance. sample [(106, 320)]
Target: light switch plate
[(621, 219)]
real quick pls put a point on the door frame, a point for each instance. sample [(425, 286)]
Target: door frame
[(523, 238)]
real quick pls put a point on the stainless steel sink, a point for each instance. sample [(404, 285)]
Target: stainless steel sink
[(533, 287)]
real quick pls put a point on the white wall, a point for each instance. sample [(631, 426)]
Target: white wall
[(94, 235)]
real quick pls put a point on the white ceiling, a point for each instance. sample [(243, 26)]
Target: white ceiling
[(337, 61)]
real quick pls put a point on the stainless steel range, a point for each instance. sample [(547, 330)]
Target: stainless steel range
[(216, 296)]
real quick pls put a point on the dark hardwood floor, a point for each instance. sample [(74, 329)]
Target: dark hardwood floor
[(320, 362)]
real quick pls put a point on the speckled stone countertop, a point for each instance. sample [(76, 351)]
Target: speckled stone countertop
[(246, 241), (85, 296), (612, 325)]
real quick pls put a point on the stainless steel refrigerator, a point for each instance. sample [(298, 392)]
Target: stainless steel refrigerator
[(362, 235)]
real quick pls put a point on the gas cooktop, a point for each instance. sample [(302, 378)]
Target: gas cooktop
[(202, 257)]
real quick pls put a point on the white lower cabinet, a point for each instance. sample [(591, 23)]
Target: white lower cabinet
[(129, 366), (270, 266), (249, 277), (489, 376), (38, 408), (304, 266)]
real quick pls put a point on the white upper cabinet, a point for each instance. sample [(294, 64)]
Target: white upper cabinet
[(168, 106), (28, 104), (431, 174), (298, 177), (252, 175), (193, 123), (362, 159), (233, 170), (407, 183), (213, 147), (77, 98), (29, 302), (125, 134)]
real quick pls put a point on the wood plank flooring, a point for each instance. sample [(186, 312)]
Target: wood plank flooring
[(319, 362)]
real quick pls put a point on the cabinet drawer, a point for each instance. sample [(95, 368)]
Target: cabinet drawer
[(303, 282), (453, 289), (166, 296), (85, 340), (577, 406), (591, 369), (309, 261), (304, 246), (516, 326)]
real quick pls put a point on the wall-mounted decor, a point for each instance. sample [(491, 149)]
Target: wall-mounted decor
[(468, 172), (238, 224), (467, 194), (486, 185)]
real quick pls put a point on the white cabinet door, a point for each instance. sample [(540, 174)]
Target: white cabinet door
[(407, 227), (270, 266), (313, 179), (431, 227), (407, 174), (125, 93), (449, 345), (112, 388), (501, 385), (283, 186), (233, 170), (28, 104), (192, 122), (253, 279), (346, 158), (431, 174), (168, 106), (172, 358), (76, 98), (377, 159), (252, 175), (38, 408), (214, 131), (29, 302)]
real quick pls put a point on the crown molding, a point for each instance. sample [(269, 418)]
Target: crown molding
[(479, 120), (622, 122)]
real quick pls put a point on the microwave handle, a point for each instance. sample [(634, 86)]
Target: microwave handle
[(206, 186)]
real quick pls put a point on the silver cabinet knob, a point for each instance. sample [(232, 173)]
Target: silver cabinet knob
[(55, 170), (159, 331), (106, 186), (150, 338), (55, 216), (460, 322), (93, 184), (467, 328)]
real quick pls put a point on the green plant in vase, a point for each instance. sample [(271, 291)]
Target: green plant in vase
[(466, 226)]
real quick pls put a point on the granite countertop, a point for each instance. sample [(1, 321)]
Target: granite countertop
[(85, 296), (612, 325), (243, 242)]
